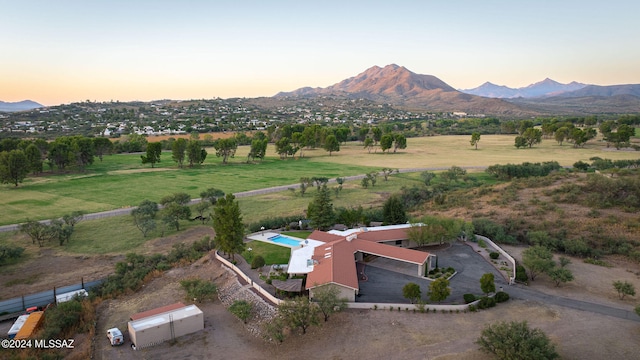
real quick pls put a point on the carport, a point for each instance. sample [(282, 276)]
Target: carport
[(406, 261)]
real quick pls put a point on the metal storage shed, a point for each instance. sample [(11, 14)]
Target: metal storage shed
[(169, 325)]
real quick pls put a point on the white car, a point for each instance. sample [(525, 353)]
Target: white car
[(115, 336)]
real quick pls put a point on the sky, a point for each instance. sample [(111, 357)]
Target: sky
[(63, 51)]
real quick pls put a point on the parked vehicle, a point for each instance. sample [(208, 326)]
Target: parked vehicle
[(115, 336)]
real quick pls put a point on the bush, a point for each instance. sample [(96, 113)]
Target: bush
[(242, 309), (199, 290), (521, 274), (486, 302), (494, 255), (501, 296), (257, 262), (473, 308), (469, 298)]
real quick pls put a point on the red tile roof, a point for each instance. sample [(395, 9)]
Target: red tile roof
[(156, 311), (334, 262), (391, 252), (324, 236)]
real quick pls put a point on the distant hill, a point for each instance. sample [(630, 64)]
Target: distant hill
[(398, 86), (546, 87), (19, 106), (605, 91)]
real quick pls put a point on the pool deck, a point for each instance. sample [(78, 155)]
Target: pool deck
[(299, 254)]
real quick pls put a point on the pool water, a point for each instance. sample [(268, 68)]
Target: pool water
[(281, 239)]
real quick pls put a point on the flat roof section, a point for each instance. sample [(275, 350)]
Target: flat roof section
[(156, 311)]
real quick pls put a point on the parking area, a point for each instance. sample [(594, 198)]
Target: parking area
[(385, 285)]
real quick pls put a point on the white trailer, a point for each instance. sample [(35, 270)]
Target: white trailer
[(17, 325), (169, 325)]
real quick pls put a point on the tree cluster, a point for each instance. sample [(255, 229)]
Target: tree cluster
[(524, 170)]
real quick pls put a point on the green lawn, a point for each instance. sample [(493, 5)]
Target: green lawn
[(272, 254)]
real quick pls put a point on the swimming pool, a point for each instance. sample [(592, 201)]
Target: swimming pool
[(285, 240)]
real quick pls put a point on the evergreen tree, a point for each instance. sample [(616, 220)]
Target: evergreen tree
[(393, 211), (13, 167), (227, 223), (178, 149), (320, 209)]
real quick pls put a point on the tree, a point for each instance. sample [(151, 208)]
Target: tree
[(400, 142), (102, 146), (427, 176), (393, 210), (211, 195), (225, 148), (74, 218), (560, 275), (326, 297), (377, 135), (284, 147), (434, 229), (37, 231), (532, 136), (242, 309), (453, 174), (13, 167), (637, 309), (83, 151), (580, 137), (515, 340), (34, 158), (386, 141), (196, 153), (538, 259), (178, 149), (320, 209), (561, 134), (520, 142), (258, 149), (154, 150), (387, 171), (368, 144), (624, 288), (227, 223), (201, 208), (144, 216), (487, 283), (60, 230), (331, 144), (412, 292), (475, 138), (439, 290), (175, 208), (299, 313)]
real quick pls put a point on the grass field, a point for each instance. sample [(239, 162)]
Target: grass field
[(272, 254), (122, 181)]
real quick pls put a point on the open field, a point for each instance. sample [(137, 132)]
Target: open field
[(122, 181)]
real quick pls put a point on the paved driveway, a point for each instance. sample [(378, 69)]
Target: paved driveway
[(386, 286)]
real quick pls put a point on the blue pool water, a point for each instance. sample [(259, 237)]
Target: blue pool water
[(281, 239)]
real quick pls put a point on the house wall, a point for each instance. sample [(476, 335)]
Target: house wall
[(344, 292)]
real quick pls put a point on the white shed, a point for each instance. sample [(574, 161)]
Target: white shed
[(169, 325)]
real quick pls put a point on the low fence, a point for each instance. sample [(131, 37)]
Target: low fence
[(246, 278), (503, 253), (352, 305), (19, 304)]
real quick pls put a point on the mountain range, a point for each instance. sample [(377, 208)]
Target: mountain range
[(546, 87), (398, 86), (19, 106)]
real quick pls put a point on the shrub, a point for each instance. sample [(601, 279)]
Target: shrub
[(199, 290), (469, 298), (473, 308), (242, 309), (501, 296), (494, 255), (482, 244), (486, 302), (521, 274), (257, 262)]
